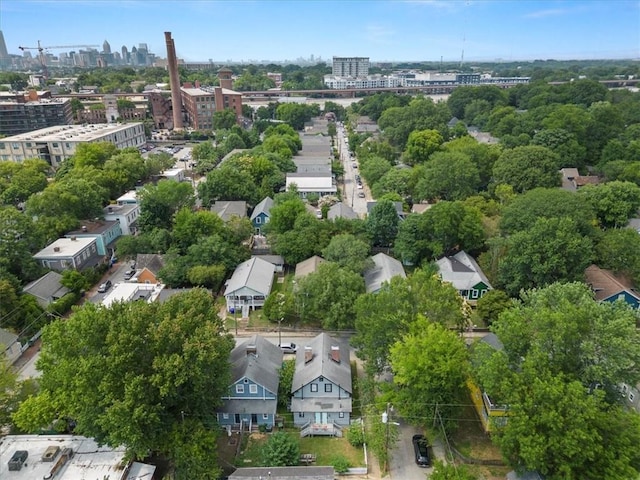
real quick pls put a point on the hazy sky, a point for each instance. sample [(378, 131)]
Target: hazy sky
[(380, 29)]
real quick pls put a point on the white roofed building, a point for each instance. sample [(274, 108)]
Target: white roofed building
[(69, 253), (383, 270), (306, 183)]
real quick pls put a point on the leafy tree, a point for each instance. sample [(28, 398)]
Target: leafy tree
[(348, 252), (287, 370), (374, 169), (92, 154), (281, 450), (614, 202), (429, 363), (18, 240), (382, 224), (282, 216), (552, 250), (74, 281), (526, 168), (295, 114), (492, 304), (12, 391), (421, 145), (208, 276), (421, 113), (442, 229), (159, 203), (18, 181), (482, 155), (135, 374), (189, 227), (449, 471), (330, 295), (384, 317), (396, 180), (447, 176), (618, 249), (525, 209)]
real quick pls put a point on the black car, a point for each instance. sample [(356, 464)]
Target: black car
[(421, 449), (129, 274)]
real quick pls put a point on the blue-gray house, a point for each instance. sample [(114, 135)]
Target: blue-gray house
[(252, 397), (260, 214), (106, 232), (609, 288)]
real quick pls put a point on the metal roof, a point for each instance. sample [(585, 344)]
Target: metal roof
[(255, 274), (263, 207), (383, 270)]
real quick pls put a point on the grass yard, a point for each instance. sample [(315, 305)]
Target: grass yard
[(325, 449)]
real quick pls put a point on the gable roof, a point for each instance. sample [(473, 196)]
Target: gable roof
[(308, 266), (383, 270), (46, 288), (151, 261), (261, 367), (255, 273), (227, 209), (605, 284), (277, 260), (321, 363), (462, 271), (341, 210), (263, 207)]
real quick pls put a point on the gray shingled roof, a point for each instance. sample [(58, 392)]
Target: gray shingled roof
[(227, 209), (47, 288), (263, 207), (383, 270), (461, 271), (341, 210), (7, 339), (322, 364), (261, 367), (310, 265), (151, 261), (255, 273)]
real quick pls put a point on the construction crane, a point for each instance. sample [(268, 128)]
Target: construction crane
[(42, 49)]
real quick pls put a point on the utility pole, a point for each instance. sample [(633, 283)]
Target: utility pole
[(385, 420)]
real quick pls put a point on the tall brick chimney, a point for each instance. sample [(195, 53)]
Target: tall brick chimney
[(224, 77), (174, 82)]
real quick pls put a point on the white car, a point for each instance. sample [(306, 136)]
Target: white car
[(288, 347)]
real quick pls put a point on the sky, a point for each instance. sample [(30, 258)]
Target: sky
[(383, 30)]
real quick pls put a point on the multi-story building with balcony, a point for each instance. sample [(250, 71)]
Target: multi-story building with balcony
[(350, 66), (24, 112), (56, 144)]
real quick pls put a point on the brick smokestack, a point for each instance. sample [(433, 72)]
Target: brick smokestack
[(174, 81)]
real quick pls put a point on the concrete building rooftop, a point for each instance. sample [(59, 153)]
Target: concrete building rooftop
[(74, 133), (65, 247)]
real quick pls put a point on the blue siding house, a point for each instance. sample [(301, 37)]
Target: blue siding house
[(609, 288), (260, 214), (106, 232), (252, 397), (321, 389)]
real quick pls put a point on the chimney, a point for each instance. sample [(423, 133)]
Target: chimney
[(56, 249), (308, 354), (73, 239), (174, 82), (335, 353), (110, 209), (252, 350), (197, 83)]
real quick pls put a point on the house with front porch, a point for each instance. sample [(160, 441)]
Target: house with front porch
[(462, 271), (249, 285), (321, 389), (252, 397)]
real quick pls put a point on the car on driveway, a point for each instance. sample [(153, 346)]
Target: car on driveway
[(421, 450), (361, 194), (129, 274), (288, 347), (104, 287)]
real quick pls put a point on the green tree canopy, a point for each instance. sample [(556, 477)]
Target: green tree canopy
[(614, 202), (382, 224), (421, 145), (133, 373), (347, 251), (447, 176), (527, 167)]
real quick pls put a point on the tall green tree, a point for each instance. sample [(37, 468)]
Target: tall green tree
[(382, 224), (527, 167), (429, 363), (281, 450), (134, 374), (421, 145), (347, 251), (552, 250), (447, 176), (614, 202)]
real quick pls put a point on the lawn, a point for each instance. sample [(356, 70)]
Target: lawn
[(325, 449)]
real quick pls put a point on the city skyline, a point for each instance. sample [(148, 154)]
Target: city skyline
[(412, 30)]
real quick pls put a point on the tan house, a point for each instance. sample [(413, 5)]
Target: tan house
[(148, 267)]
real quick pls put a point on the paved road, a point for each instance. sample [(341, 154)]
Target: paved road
[(402, 462), (351, 198)]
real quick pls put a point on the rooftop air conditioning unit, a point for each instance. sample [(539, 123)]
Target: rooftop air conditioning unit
[(56, 249)]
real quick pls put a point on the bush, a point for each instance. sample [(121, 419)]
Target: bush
[(64, 304), (281, 450), (355, 435), (340, 463)]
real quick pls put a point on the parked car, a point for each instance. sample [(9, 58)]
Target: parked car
[(361, 194), (354, 165), (104, 287), (129, 274), (360, 187), (288, 347), (421, 450)]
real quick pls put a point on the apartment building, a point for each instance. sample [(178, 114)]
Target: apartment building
[(25, 112), (56, 144), (350, 66)]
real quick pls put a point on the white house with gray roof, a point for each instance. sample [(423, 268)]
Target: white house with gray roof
[(251, 399), (249, 285), (383, 270), (462, 271), (322, 388)]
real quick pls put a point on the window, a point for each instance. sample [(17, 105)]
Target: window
[(314, 387), (239, 388), (474, 293), (258, 220), (341, 415), (55, 144), (265, 416), (631, 397), (327, 387), (300, 414), (464, 293), (225, 416), (253, 388)]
